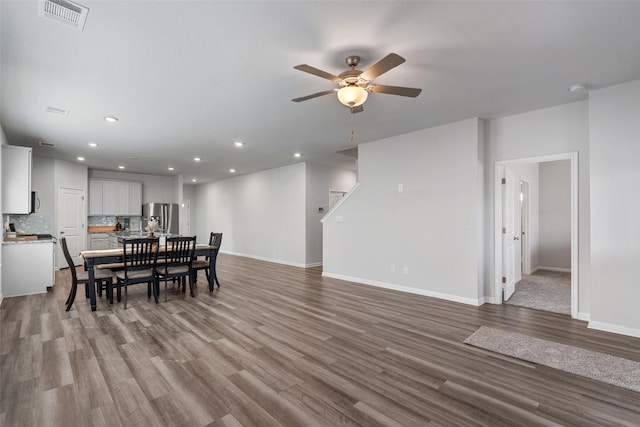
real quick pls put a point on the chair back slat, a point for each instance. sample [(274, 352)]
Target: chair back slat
[(140, 254), (179, 250)]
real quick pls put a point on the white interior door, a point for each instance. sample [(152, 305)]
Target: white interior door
[(71, 224), (511, 249), (185, 218)]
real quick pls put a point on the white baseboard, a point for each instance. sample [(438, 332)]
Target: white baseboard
[(584, 316), (616, 329), (492, 300), (24, 295), (558, 269), (408, 289), (1, 298), (277, 261)]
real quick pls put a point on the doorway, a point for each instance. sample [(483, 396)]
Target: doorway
[(71, 223), (529, 261), (185, 218)]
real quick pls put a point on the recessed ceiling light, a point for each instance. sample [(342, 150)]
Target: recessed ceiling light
[(197, 159), (239, 144), (121, 167), (232, 170), (579, 88), (170, 168), (93, 144), (80, 158), (111, 119), (297, 155), (132, 158), (194, 180)]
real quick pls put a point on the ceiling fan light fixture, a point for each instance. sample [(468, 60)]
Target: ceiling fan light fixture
[(352, 96)]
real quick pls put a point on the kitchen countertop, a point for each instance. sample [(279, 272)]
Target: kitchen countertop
[(22, 242)]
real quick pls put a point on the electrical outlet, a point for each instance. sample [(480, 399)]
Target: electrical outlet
[(339, 218), (393, 268), (400, 188), (406, 270)]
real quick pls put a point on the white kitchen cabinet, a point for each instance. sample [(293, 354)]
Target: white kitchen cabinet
[(95, 197), (122, 205), (109, 197), (135, 199), (98, 241), (16, 179), (121, 198), (27, 267)]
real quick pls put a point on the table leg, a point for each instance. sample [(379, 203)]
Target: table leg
[(92, 287)]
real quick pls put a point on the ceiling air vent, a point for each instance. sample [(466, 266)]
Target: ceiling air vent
[(64, 12), (56, 111), (46, 144)]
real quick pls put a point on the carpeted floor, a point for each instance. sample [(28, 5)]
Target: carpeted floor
[(598, 366), (544, 290)]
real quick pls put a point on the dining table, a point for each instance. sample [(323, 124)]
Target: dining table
[(104, 257)]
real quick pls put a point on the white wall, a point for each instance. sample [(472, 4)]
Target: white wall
[(530, 173), (3, 141), (261, 215), (554, 130), (555, 215), (155, 188), (614, 118), (189, 193), (320, 180), (432, 227)]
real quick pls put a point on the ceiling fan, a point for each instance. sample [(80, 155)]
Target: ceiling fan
[(355, 85)]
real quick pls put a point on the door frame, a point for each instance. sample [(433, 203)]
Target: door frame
[(498, 174), (524, 226), (59, 260)]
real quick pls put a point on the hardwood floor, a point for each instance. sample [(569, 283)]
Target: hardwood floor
[(279, 345)]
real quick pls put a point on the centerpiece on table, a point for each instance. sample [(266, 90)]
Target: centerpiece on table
[(152, 226)]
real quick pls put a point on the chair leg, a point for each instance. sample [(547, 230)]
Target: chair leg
[(165, 288), (72, 296), (118, 291), (125, 295), (110, 291)]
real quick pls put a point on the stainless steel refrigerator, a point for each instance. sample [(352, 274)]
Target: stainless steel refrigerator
[(167, 215)]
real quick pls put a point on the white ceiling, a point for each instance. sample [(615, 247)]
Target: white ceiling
[(189, 78)]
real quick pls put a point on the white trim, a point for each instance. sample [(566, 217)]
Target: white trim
[(558, 269), (407, 289), (31, 293), (491, 300), (340, 202), (498, 174), (276, 261), (584, 316), (616, 329)]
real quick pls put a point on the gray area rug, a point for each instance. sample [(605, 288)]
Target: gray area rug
[(544, 290), (590, 364)]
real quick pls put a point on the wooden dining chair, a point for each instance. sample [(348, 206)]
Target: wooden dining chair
[(139, 258), (175, 263), (215, 239), (101, 277)]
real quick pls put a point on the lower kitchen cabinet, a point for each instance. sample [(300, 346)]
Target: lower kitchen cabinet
[(27, 268), (98, 241)]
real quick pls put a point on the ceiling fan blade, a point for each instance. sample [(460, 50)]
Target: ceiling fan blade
[(395, 90), (385, 64), (314, 95), (316, 72), (357, 109)]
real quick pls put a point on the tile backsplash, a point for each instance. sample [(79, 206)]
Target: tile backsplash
[(32, 223), (134, 221), (43, 223)]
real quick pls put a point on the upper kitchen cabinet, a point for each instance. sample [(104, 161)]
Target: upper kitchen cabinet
[(108, 197), (16, 179)]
